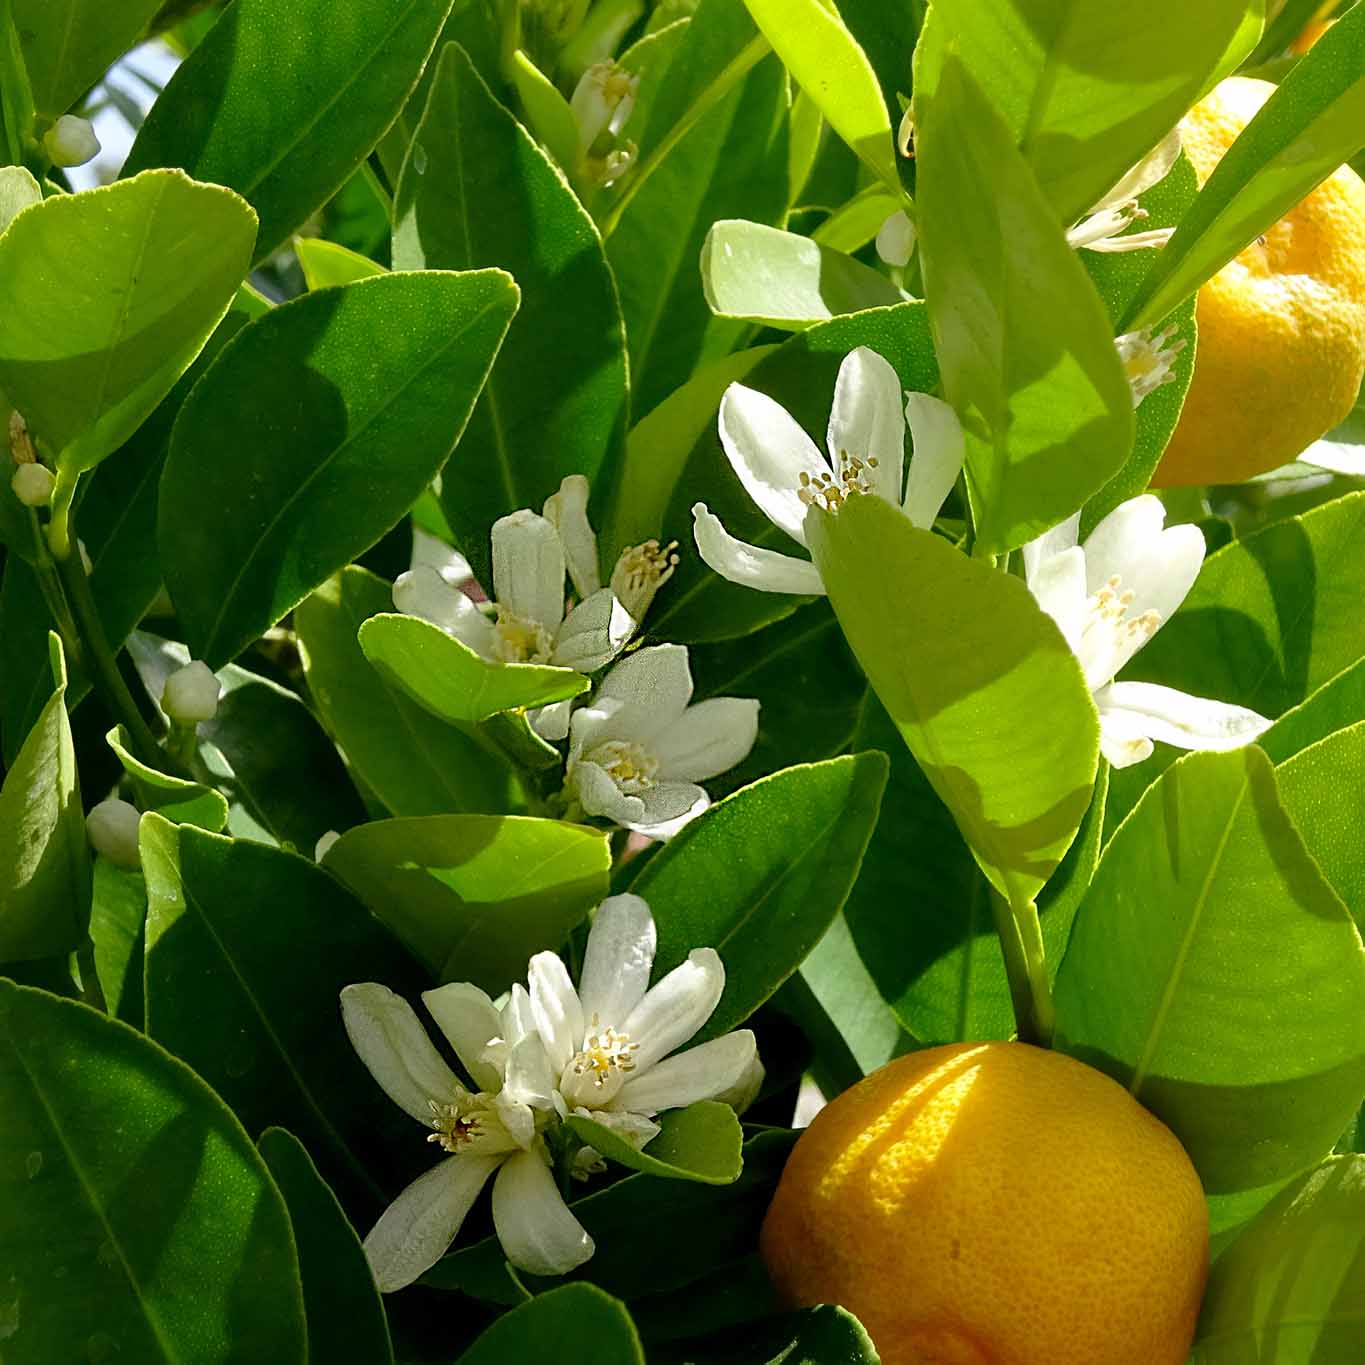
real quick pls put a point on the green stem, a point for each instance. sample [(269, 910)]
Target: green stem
[(1021, 941), (51, 587)]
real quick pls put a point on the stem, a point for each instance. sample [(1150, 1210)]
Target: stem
[(51, 587), (91, 990), (1021, 941)]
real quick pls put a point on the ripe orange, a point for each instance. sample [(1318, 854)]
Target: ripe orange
[(994, 1204), (1281, 327)]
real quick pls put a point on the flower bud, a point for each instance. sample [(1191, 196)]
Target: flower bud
[(71, 141), (112, 830), (191, 694), (33, 485), (324, 844), (896, 240)]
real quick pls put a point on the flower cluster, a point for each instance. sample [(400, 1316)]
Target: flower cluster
[(606, 1050)]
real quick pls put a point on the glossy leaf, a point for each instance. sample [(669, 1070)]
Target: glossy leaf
[(700, 1143), (325, 263), (18, 189), (477, 191), (762, 274), (414, 763), (127, 1184), (760, 876), (1338, 703), (450, 679), (344, 1312), (1026, 349), (237, 112), (824, 1335), (179, 800), (474, 896), (106, 297), (118, 911), (229, 992), (1215, 972), (1313, 123), (287, 434), (575, 1325), (980, 683)]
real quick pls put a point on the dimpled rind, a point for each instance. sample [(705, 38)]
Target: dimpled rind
[(1281, 327), (994, 1204)]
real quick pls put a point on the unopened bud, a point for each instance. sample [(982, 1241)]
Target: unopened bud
[(71, 141), (33, 485), (323, 844), (112, 830), (191, 694), (896, 240), (603, 100), (20, 442)]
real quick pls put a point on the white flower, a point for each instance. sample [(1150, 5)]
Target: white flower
[(785, 474), (602, 101), (638, 750), (71, 141), (609, 1041), (1105, 227), (191, 694), (33, 485), (1109, 597), (1148, 362), (111, 828), (896, 239), (496, 1128)]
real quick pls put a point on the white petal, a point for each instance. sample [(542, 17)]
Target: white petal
[(751, 566), (555, 1008), (896, 239), (600, 796), (593, 633), (1153, 168), (534, 1224), (746, 1089), (528, 569), (424, 593), (707, 739), (703, 1073), (635, 1129), (415, 1231), (676, 1007), (1173, 717), (1133, 241), (469, 1021), (1054, 542), (866, 421), (666, 808), (567, 511), (389, 1038), (1123, 738), (551, 722), (769, 452), (936, 461), (1058, 585), (617, 960), (642, 696), (528, 1080)]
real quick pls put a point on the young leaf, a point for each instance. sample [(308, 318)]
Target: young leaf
[(760, 876), (118, 911), (477, 191), (1027, 352), (701, 1143), (106, 297), (325, 263), (179, 800), (239, 112), (980, 683), (18, 189), (287, 433), (127, 1184), (474, 896), (343, 1308), (1313, 123), (575, 1325), (450, 679), (1215, 972)]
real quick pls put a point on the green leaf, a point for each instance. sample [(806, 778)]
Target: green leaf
[(575, 1325), (762, 274), (1313, 123), (1271, 617), (453, 682), (44, 864), (707, 1225), (325, 263), (1339, 702), (700, 1143), (1290, 1288), (69, 44), (414, 763), (284, 435), (547, 111), (477, 191), (1214, 972), (239, 111), (118, 910), (760, 876), (1026, 349), (1088, 90), (825, 61), (980, 683), (248, 949), (128, 1186), (106, 297), (181, 801), (825, 1335), (343, 1308), (474, 896), (18, 189)]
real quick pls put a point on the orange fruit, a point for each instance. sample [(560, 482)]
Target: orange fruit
[(1281, 327), (994, 1204)]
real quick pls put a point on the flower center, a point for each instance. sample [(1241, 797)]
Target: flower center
[(826, 491), (1110, 634), (1148, 362), (462, 1123), (640, 572), (599, 1068), (627, 764), (519, 641)]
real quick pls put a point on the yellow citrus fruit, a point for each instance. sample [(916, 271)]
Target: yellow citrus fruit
[(994, 1204), (1281, 327)]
